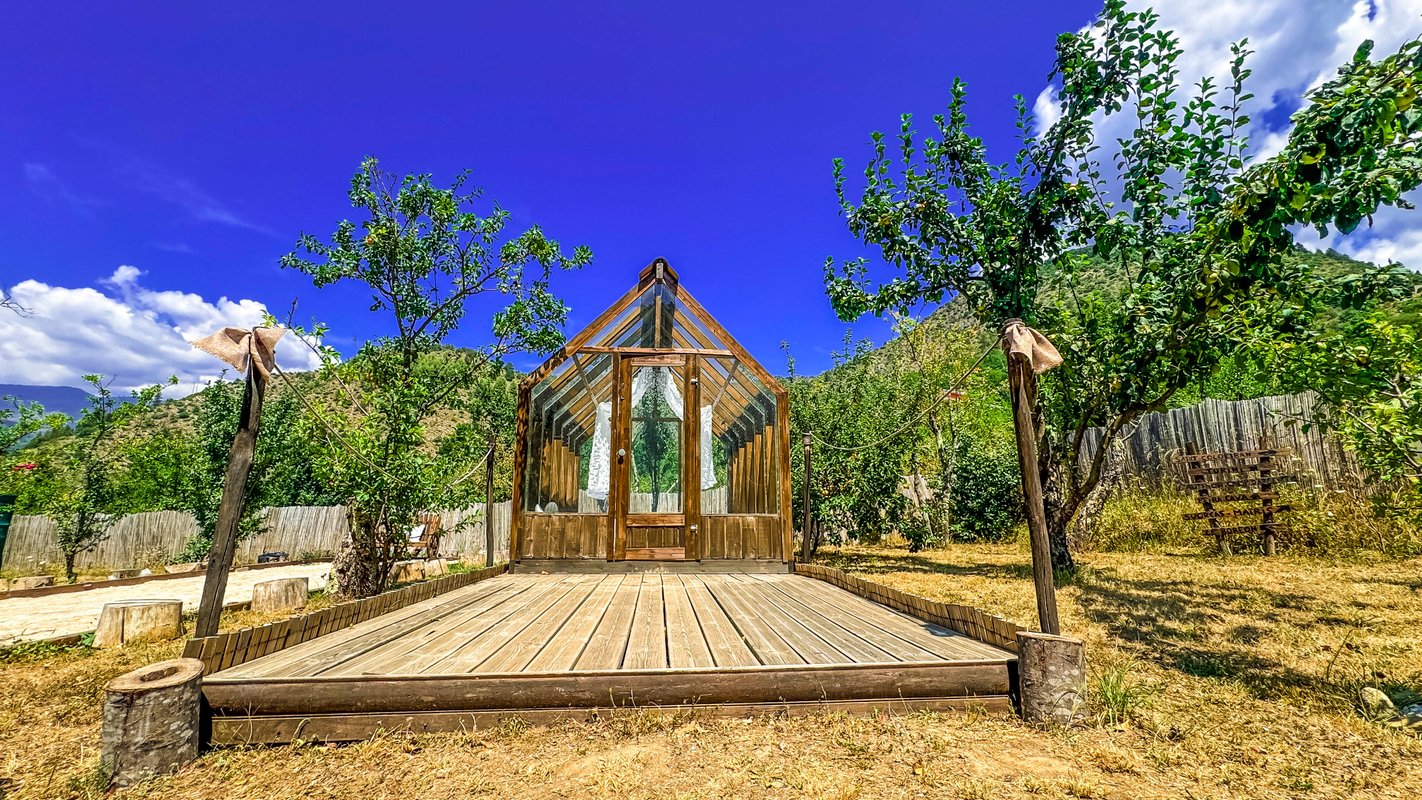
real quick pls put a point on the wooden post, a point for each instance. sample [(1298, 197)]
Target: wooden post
[(229, 510), (1200, 479), (806, 532), (1023, 383), (1266, 494), (152, 721), (489, 503)]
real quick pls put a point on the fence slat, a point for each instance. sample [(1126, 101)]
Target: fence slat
[(141, 540), (1152, 450)]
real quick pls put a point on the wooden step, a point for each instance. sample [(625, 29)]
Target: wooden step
[(283, 729)]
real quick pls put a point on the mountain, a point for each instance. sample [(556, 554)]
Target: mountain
[(64, 399)]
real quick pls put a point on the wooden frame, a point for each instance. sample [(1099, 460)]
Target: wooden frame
[(749, 405), (582, 644)]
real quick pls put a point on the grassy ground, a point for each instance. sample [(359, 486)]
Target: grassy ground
[(1209, 679)]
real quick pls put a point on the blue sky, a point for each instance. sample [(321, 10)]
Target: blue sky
[(158, 158)]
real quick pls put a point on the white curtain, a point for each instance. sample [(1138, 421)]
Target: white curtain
[(599, 470)]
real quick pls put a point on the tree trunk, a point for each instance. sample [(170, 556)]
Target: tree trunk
[(1059, 518), (1058, 508), (1053, 678), (152, 722), (359, 565)]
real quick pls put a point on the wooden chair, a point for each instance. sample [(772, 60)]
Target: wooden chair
[(424, 537)]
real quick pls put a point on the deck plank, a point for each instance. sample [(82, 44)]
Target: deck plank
[(440, 637), (567, 645), (463, 636), (315, 655), (810, 647), (897, 647), (727, 647), (515, 654), (686, 643), (941, 642), (769, 647), (853, 645), (647, 646), (607, 643)]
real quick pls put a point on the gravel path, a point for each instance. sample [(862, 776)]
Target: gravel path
[(29, 618)]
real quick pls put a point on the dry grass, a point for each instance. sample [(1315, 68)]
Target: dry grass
[(1210, 678)]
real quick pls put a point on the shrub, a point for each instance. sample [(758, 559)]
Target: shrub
[(1143, 519), (987, 489), (1345, 521)]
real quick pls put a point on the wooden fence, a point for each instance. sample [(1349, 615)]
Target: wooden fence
[(141, 540), (1154, 448)]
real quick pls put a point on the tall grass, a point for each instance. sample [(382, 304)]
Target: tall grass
[(1151, 519), (1119, 695)]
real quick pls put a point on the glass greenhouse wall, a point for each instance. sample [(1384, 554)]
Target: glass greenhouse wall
[(653, 435)]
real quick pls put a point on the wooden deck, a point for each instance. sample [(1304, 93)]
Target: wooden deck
[(560, 645)]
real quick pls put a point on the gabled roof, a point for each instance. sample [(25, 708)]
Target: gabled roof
[(657, 315)]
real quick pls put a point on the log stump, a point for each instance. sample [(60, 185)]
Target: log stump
[(1052, 678), (138, 620), (407, 571), (435, 567), (152, 721), (122, 574), (189, 566), (32, 582), (280, 594)]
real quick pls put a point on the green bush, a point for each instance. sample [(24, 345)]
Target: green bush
[(987, 490), (1138, 518)]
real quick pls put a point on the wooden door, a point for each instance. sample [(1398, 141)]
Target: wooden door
[(657, 458)]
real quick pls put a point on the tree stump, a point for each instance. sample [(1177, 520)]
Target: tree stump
[(32, 582), (407, 571), (435, 567), (189, 566), (138, 620), (152, 719), (121, 574), (1052, 676), (279, 594)]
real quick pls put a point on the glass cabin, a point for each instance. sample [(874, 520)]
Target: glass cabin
[(652, 435)]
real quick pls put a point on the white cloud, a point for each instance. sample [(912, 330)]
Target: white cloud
[(123, 330), (1297, 44), (1046, 109), (48, 186), (187, 196)]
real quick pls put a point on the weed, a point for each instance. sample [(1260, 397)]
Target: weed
[(1119, 694), (33, 652)]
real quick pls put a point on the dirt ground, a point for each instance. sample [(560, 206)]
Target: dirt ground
[(67, 613), (1209, 678)]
